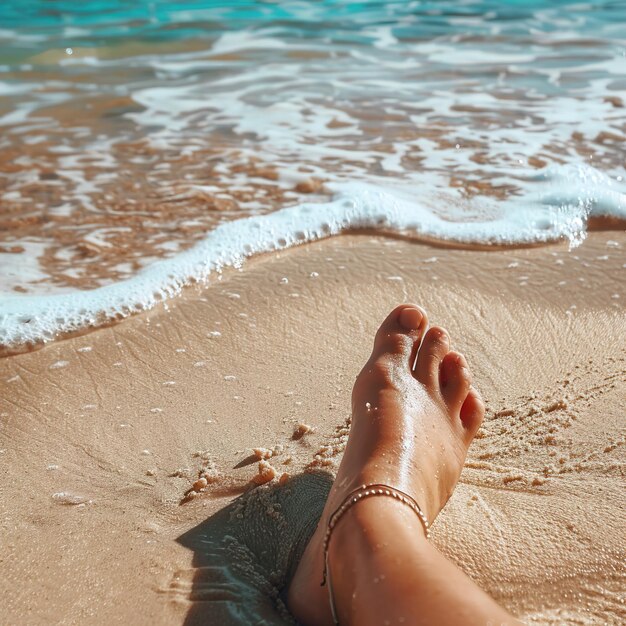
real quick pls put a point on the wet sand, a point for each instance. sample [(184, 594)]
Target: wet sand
[(103, 435)]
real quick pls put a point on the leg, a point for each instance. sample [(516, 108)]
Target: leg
[(414, 414), (386, 572)]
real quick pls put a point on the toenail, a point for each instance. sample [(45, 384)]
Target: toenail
[(410, 318)]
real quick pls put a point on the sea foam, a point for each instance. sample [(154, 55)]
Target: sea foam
[(563, 200)]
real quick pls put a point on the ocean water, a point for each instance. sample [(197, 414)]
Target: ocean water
[(145, 144)]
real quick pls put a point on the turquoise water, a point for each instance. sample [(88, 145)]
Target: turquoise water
[(163, 21), (130, 131)]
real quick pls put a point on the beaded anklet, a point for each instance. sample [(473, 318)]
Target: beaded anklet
[(365, 491)]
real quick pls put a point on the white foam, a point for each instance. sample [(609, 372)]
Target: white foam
[(23, 268), (564, 198)]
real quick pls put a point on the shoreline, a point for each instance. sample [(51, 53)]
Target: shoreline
[(545, 468), (28, 321), (597, 225)]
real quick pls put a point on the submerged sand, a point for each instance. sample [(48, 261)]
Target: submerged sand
[(102, 435)]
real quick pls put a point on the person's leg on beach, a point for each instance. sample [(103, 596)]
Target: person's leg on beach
[(414, 415)]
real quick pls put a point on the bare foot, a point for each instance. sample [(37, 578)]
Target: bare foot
[(414, 415)]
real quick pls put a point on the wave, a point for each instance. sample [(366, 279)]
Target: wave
[(564, 200)]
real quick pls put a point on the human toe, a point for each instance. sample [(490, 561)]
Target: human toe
[(433, 349), (401, 332), (455, 381), (472, 413)]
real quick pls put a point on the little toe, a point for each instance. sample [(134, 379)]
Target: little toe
[(472, 413), (435, 346), (455, 381)]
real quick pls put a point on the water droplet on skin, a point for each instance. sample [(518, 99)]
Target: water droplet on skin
[(313, 274), (284, 280), (368, 406), (230, 377)]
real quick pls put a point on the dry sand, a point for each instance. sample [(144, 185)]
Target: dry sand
[(102, 435)]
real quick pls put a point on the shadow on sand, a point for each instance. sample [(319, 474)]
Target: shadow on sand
[(246, 553)]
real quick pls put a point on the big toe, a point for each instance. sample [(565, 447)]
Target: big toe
[(401, 333)]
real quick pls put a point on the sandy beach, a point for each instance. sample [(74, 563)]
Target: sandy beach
[(206, 212), (103, 435)]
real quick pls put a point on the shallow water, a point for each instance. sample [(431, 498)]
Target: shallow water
[(131, 130)]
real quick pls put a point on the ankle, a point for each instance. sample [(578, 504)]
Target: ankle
[(373, 519), (372, 538), (368, 527)]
